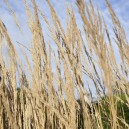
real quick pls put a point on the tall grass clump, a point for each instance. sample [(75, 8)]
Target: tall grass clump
[(85, 60)]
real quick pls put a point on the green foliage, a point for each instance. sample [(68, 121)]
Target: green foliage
[(105, 112), (122, 111)]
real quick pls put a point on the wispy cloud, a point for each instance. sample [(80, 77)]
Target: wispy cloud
[(119, 6)]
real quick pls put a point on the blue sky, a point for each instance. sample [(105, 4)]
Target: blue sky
[(120, 7)]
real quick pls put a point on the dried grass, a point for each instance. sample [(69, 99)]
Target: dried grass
[(49, 102)]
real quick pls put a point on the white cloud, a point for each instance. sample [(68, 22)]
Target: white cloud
[(119, 6)]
